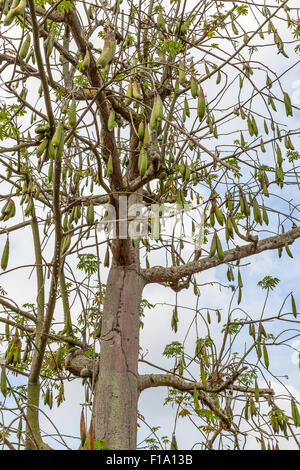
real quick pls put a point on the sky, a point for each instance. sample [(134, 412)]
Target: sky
[(157, 332)]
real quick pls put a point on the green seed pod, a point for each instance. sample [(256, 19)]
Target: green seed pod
[(17, 9), (288, 251), (3, 387), (136, 93), (5, 255), (181, 74), (141, 129), (156, 114), (294, 308), (42, 147), (219, 215), (72, 113), (142, 162), (90, 215), (256, 212), (288, 104), (219, 249), (106, 259), (186, 107), (254, 126), (161, 22), (111, 121), (266, 356), (266, 127), (57, 142), (50, 44), (110, 168), (234, 28), (213, 246), (194, 87), (201, 107), (66, 242), (265, 215), (129, 94), (147, 140)]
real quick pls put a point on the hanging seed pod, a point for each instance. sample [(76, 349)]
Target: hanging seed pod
[(17, 9), (174, 320), (25, 47), (46, 397), (219, 249), (136, 93), (246, 410), (91, 437), (157, 113), (57, 142), (196, 400), (90, 215), (146, 141), (201, 106), (234, 28), (42, 147), (266, 127), (111, 121), (194, 87), (141, 129), (19, 430), (219, 215), (109, 50), (65, 245), (82, 428), (50, 401), (5, 255), (3, 387), (250, 127), (265, 215), (254, 126), (106, 259), (181, 74), (256, 212), (294, 308), (186, 107), (72, 113), (213, 246), (161, 22), (50, 44), (295, 413), (288, 251), (174, 445), (266, 356), (129, 94), (110, 165), (142, 162), (288, 104), (86, 61)]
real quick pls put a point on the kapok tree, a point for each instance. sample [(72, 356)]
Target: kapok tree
[(111, 112)]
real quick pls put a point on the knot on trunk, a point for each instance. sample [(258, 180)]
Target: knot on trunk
[(78, 363)]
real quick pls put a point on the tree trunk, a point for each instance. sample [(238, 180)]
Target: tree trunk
[(116, 388)]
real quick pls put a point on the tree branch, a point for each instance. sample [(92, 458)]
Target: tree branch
[(161, 274)]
